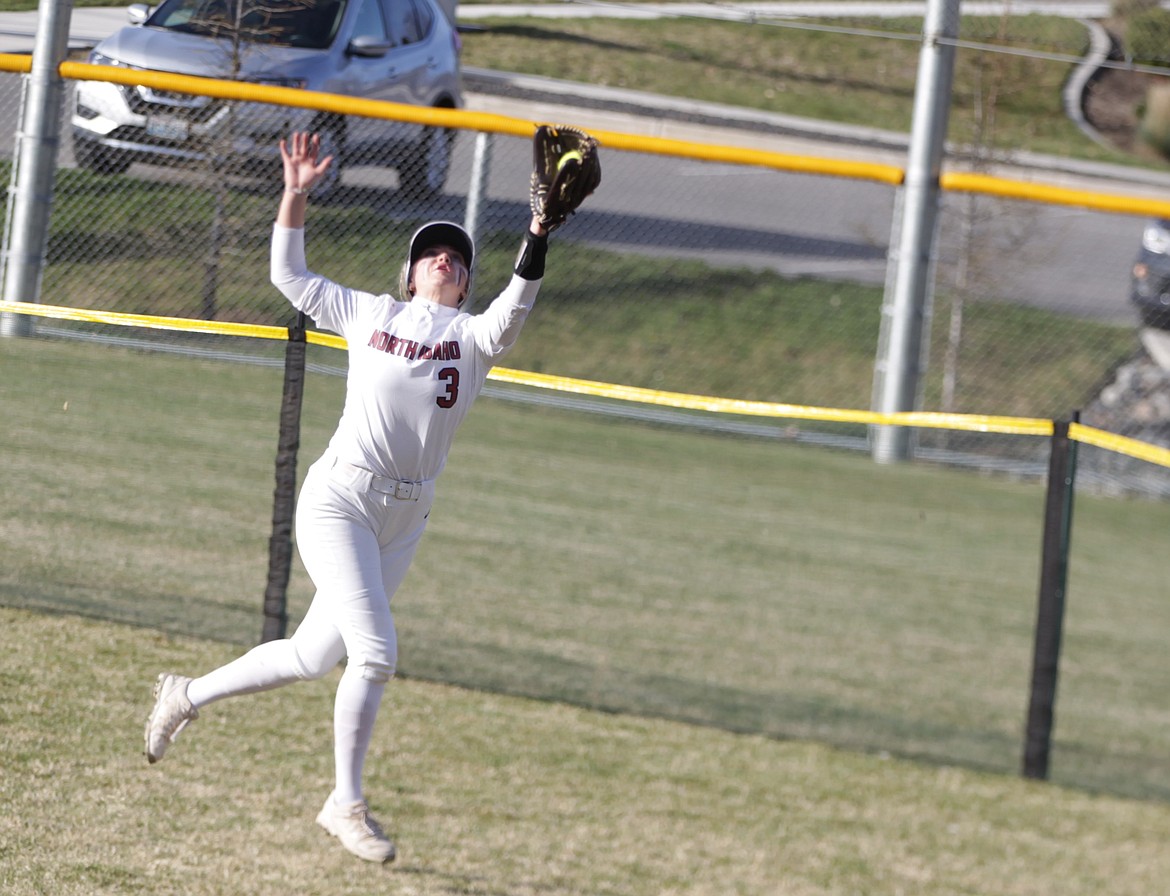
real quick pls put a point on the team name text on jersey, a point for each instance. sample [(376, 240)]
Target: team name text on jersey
[(412, 350)]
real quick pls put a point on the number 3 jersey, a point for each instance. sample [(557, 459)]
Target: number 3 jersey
[(414, 367)]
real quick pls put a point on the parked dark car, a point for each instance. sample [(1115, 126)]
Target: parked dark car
[(1150, 281), (405, 51)]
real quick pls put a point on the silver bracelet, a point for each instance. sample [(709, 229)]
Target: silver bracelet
[(298, 191)]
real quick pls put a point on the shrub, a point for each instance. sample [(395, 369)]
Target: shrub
[(1154, 128), (1147, 36), (1123, 9)]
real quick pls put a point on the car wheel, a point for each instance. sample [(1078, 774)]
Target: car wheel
[(423, 173), (94, 157), (332, 135)]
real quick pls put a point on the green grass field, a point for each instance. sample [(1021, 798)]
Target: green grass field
[(636, 660), (811, 672), (487, 794)]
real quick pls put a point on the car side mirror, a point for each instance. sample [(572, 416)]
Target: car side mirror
[(369, 47), (137, 13)]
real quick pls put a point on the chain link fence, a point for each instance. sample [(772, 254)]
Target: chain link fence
[(682, 274), (1030, 314)]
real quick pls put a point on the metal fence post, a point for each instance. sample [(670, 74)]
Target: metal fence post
[(481, 164), (36, 165), (905, 309), (280, 545), (1058, 513)]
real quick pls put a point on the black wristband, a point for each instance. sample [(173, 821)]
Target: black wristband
[(530, 261)]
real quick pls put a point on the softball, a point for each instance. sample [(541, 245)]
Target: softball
[(567, 157)]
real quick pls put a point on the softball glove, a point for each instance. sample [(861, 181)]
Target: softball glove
[(565, 169)]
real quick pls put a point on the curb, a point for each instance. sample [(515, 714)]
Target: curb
[(1100, 49)]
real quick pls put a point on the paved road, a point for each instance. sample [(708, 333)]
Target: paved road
[(1083, 259)]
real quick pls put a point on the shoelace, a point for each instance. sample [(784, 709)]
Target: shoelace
[(366, 820)]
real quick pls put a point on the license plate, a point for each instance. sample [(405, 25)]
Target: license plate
[(168, 127)]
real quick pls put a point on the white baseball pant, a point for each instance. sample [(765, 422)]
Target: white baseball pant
[(357, 540)]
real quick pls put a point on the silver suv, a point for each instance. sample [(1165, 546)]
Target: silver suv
[(405, 51)]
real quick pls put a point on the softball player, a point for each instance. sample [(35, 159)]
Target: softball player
[(415, 367)]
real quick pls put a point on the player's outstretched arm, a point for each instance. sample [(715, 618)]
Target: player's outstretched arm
[(299, 157)]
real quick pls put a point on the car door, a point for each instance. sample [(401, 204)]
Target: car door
[(414, 62), (368, 71), (410, 24)]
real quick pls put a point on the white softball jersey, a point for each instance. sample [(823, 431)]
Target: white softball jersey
[(414, 367)]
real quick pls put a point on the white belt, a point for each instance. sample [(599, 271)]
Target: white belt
[(385, 485)]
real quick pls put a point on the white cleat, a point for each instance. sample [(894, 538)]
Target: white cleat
[(172, 711), (357, 830)]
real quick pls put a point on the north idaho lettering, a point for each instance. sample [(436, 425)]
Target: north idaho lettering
[(412, 350)]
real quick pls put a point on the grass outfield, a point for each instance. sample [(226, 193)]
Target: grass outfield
[(692, 586), (489, 794)]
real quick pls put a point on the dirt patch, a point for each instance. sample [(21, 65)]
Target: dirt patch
[(1112, 105)]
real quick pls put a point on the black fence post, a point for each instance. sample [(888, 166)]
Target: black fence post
[(1050, 609), (280, 545)]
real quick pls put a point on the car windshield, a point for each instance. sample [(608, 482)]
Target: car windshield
[(291, 23)]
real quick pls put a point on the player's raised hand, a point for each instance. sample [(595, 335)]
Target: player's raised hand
[(303, 167)]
